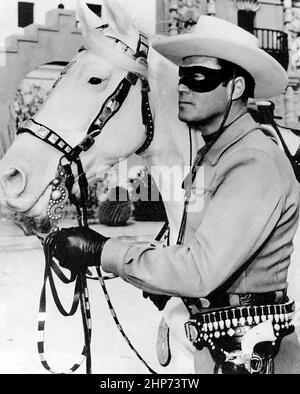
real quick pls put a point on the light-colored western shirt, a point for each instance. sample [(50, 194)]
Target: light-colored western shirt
[(242, 237)]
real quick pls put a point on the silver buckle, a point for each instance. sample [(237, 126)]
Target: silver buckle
[(191, 331)]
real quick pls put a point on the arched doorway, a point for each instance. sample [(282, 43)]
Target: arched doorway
[(31, 93)]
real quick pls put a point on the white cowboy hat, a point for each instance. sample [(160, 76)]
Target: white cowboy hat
[(215, 37)]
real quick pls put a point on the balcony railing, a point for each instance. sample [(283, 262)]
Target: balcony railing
[(275, 43)]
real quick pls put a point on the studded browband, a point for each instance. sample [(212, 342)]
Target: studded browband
[(109, 108)]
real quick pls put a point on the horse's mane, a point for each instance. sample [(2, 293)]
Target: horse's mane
[(109, 46), (115, 38), (115, 41)]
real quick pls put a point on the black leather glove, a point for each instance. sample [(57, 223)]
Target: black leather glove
[(159, 301), (77, 248)]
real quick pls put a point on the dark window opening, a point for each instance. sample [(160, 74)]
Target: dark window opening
[(59, 63), (246, 20), (96, 8), (25, 13)]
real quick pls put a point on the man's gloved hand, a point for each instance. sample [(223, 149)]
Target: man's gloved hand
[(78, 247), (158, 300)]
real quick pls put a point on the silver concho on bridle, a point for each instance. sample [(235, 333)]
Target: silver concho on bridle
[(58, 198)]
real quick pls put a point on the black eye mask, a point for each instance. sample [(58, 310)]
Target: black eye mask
[(202, 79)]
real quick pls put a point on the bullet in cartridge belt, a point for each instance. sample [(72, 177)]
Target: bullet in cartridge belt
[(203, 327)]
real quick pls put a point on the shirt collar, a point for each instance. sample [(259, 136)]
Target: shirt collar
[(239, 129)]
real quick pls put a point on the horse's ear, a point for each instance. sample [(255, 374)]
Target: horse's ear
[(117, 17), (88, 19)]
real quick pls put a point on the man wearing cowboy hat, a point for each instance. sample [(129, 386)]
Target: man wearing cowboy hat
[(231, 269)]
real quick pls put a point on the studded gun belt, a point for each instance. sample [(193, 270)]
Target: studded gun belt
[(204, 328)]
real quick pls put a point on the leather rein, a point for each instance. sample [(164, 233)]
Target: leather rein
[(62, 191)]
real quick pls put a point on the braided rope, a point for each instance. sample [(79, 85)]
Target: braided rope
[(162, 235), (117, 322)]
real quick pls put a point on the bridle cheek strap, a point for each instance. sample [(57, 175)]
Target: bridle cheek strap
[(114, 102)]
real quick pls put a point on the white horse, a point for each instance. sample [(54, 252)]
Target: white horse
[(30, 165)]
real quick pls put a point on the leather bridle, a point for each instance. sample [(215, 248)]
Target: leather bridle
[(109, 108)]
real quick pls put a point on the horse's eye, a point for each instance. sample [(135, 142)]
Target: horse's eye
[(95, 81)]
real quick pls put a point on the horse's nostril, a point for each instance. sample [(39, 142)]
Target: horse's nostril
[(13, 182), (13, 175)]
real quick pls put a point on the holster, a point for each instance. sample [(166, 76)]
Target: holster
[(260, 362)]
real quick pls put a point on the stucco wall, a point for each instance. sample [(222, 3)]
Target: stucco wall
[(226, 9), (269, 16), (142, 10)]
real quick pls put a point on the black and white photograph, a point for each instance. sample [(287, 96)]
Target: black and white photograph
[(149, 189)]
